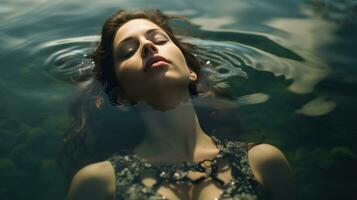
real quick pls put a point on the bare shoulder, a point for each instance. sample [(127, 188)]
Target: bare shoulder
[(273, 171), (266, 154), (94, 181)]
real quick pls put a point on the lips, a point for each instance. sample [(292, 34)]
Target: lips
[(156, 58)]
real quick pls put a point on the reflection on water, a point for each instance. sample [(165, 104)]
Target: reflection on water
[(317, 107), (288, 72), (306, 36), (342, 11)]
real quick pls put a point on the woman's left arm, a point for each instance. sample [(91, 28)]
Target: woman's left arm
[(273, 172)]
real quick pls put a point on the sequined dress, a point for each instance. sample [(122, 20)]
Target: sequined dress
[(243, 186)]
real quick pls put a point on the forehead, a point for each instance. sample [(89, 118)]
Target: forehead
[(132, 28)]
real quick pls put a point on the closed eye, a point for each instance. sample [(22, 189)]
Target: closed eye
[(160, 41), (127, 51), (131, 44), (159, 38)]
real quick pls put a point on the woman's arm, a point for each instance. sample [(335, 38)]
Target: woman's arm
[(273, 171), (93, 182)]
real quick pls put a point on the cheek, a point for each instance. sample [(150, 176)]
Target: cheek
[(128, 69), (130, 77), (177, 58)]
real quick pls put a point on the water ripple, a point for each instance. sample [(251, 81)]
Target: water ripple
[(225, 61), (69, 59)]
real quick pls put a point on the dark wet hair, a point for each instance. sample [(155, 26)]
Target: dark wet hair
[(103, 55)]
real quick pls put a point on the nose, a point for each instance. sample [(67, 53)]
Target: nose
[(148, 49)]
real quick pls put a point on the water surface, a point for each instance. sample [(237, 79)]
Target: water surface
[(290, 67)]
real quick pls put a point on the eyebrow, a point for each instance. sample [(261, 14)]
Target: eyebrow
[(129, 38)]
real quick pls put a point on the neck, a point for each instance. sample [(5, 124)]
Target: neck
[(174, 135)]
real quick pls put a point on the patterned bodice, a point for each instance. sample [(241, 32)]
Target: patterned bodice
[(243, 185)]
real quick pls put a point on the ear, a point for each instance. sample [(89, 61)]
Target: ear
[(192, 75)]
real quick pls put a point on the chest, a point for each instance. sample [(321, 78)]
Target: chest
[(228, 177), (206, 190)]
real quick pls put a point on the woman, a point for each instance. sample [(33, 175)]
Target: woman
[(140, 62)]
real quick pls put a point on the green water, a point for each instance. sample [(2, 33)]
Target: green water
[(289, 64)]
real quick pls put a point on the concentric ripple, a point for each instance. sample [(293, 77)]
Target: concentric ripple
[(69, 59), (224, 61)]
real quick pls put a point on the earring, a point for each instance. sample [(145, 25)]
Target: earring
[(193, 87)]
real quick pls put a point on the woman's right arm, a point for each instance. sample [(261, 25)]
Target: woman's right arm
[(93, 182)]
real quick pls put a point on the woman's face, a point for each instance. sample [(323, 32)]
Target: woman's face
[(148, 65)]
